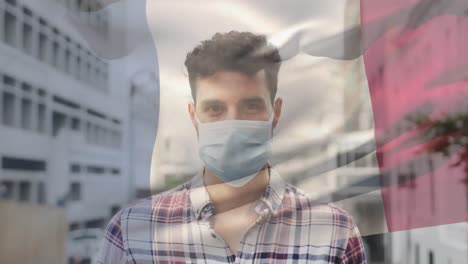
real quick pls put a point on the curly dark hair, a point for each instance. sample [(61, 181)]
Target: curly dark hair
[(242, 52)]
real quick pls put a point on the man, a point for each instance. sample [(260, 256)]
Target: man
[(237, 209)]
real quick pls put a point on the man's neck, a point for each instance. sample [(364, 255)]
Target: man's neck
[(226, 197)]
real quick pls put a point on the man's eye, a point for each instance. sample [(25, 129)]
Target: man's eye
[(214, 109), (253, 107)]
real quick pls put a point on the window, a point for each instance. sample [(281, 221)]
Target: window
[(79, 4), (362, 160), (24, 191), (95, 169), (75, 191), (26, 107), (58, 122), (55, 54), (96, 114), (41, 117), (88, 132), (97, 223), (67, 61), (42, 47), (6, 190), (78, 68), (66, 102), (74, 226), (23, 164), (27, 12), (401, 178), (41, 193), (341, 159), (431, 257), (350, 158), (27, 38), (75, 124), (41, 92), (26, 87), (75, 168), (10, 29), (8, 80), (8, 109)]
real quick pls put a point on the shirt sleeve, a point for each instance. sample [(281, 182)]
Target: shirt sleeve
[(111, 249), (355, 252)]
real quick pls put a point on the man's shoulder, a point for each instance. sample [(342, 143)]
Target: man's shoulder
[(145, 208), (297, 201), (133, 221)]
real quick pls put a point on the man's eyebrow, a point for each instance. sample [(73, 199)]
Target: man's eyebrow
[(255, 99), (210, 102)]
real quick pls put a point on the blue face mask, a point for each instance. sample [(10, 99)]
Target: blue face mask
[(235, 150)]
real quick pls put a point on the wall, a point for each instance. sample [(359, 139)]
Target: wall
[(32, 234)]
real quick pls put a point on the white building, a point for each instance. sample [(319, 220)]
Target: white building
[(63, 116)]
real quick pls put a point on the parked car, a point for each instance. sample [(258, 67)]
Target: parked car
[(83, 245)]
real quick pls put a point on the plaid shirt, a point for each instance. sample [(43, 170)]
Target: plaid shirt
[(175, 227)]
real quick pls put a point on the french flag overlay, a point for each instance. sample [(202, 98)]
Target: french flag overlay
[(416, 61), (415, 55)]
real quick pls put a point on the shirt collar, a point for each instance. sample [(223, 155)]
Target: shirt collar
[(270, 200)]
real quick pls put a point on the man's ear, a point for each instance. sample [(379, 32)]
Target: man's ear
[(277, 111), (191, 111)]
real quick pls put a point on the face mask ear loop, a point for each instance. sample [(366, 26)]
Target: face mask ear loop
[(198, 123), (195, 113), (271, 117), (196, 119), (270, 120)]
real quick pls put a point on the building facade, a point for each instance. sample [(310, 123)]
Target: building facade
[(63, 116)]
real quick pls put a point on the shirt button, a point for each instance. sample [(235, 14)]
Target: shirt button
[(213, 235)]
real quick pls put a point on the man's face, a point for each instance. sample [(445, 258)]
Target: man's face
[(229, 95)]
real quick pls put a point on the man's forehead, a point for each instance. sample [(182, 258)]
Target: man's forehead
[(231, 83)]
